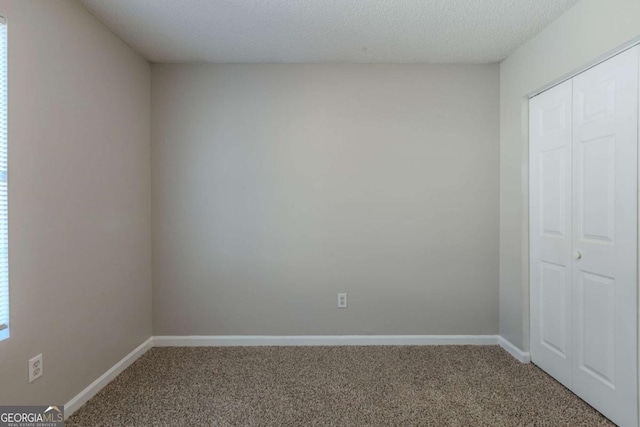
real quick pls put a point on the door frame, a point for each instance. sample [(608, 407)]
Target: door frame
[(526, 243)]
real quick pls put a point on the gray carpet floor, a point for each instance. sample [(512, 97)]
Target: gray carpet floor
[(334, 386)]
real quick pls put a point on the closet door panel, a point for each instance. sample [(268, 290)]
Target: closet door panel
[(605, 163), (550, 230)]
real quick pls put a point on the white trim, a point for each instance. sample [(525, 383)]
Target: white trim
[(92, 389), (600, 59), (329, 340), (265, 340), (638, 250), (521, 356)]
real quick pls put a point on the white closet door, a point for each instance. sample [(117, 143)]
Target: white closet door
[(605, 206), (550, 230)]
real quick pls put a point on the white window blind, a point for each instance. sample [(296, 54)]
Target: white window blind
[(4, 214)]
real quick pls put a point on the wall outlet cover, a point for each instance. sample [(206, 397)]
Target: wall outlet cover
[(35, 368), (342, 300)]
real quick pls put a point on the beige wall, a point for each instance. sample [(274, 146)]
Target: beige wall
[(584, 33), (276, 186), (79, 197)]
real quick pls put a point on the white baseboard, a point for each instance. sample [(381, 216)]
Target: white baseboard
[(92, 389), (522, 356), (264, 340), (316, 340)]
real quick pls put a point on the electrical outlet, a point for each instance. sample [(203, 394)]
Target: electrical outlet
[(35, 368), (342, 300)]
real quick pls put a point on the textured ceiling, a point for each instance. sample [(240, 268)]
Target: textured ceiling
[(311, 31)]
